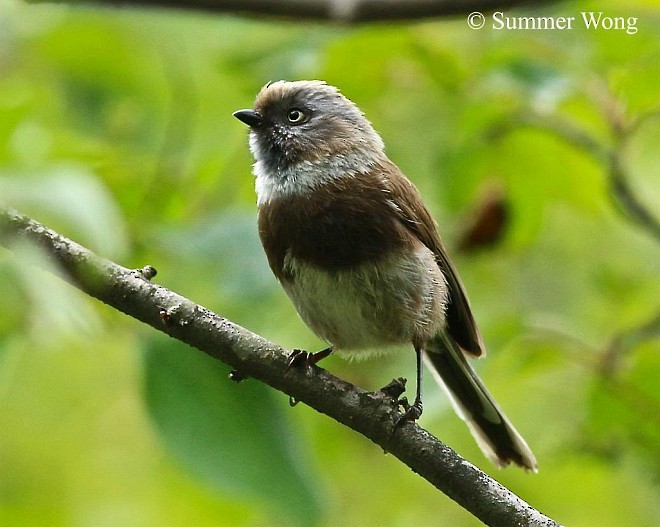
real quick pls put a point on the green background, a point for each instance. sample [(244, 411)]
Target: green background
[(116, 130)]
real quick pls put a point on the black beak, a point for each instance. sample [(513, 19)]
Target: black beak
[(249, 117)]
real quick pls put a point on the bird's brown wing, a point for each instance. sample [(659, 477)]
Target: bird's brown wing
[(416, 217)]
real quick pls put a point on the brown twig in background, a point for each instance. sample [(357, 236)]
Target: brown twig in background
[(612, 357), (627, 201), (344, 11), (626, 198)]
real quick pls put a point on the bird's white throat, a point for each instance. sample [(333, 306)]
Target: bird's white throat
[(306, 176)]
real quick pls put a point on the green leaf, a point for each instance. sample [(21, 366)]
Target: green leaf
[(71, 199), (232, 436)]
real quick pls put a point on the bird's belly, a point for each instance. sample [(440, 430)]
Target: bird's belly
[(399, 299)]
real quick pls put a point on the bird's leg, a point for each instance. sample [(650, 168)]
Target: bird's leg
[(413, 411), (302, 357)]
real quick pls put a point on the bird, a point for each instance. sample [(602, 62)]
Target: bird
[(353, 245)]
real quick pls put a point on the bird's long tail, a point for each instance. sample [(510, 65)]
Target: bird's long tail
[(493, 431)]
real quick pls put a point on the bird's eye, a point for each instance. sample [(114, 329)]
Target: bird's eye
[(295, 116)]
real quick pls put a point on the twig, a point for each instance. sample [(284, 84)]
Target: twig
[(344, 11), (612, 357), (627, 202), (370, 414)]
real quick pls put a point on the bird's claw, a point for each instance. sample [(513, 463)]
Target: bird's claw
[(411, 412), (299, 358)]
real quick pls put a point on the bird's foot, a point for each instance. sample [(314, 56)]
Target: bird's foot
[(305, 358), (411, 412), (298, 358)]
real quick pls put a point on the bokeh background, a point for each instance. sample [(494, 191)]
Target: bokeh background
[(116, 130)]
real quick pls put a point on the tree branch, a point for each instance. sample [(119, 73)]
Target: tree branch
[(369, 413), (627, 202), (345, 11)]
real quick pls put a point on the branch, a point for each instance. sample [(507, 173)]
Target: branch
[(612, 358), (369, 413), (345, 11), (627, 202)]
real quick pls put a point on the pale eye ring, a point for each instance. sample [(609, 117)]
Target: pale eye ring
[(295, 116)]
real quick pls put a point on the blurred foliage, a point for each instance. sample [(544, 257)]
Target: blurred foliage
[(116, 130), (236, 438)]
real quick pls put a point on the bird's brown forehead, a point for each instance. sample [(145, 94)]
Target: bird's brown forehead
[(277, 97)]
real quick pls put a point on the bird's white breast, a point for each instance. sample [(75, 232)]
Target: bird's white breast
[(398, 300)]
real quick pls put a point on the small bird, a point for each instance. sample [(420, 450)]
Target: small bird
[(354, 247)]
